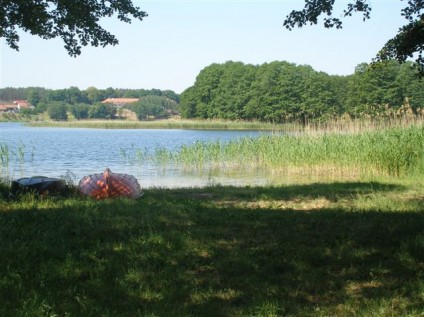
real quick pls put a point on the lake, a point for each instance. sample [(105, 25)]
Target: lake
[(72, 153)]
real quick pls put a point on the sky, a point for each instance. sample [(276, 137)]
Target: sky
[(169, 48)]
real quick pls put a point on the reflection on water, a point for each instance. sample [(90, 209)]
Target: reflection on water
[(74, 153)]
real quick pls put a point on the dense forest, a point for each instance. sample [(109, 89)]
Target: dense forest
[(86, 104), (286, 92)]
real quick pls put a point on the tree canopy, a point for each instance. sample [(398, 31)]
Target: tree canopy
[(286, 92), (77, 22), (407, 43)]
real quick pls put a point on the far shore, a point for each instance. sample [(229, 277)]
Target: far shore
[(161, 124), (311, 128)]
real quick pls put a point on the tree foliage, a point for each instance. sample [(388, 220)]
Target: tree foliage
[(73, 95), (77, 22), (286, 92), (408, 43), (84, 104), (154, 107), (34, 98), (57, 111), (79, 111), (101, 111)]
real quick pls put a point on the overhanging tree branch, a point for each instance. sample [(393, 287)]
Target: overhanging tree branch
[(75, 21), (408, 43)]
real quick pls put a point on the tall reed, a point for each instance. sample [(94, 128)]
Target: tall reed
[(4, 161), (395, 152), (12, 159), (342, 125)]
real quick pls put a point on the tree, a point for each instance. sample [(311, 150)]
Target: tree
[(408, 42), (197, 101), (79, 111), (233, 91), (75, 21), (74, 96), (189, 102), (94, 95), (56, 95), (286, 92), (33, 98), (101, 111), (57, 111), (154, 106)]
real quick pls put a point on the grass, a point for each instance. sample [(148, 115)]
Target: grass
[(163, 124), (321, 249), (311, 128), (329, 248)]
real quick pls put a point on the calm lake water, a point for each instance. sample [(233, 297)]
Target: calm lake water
[(74, 153)]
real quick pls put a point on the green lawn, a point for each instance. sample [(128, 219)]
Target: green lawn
[(322, 249)]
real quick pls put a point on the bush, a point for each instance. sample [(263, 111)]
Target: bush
[(102, 111), (57, 111)]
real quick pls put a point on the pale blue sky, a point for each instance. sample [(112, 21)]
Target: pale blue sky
[(169, 48)]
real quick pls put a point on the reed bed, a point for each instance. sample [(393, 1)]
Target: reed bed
[(4, 160), (12, 159), (396, 151), (163, 124), (343, 126), (392, 152), (338, 125)]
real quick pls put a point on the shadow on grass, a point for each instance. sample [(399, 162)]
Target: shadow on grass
[(182, 253), (330, 191)]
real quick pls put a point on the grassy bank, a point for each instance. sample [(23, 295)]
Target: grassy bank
[(324, 249), (162, 124), (312, 128)]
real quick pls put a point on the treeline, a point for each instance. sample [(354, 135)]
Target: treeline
[(156, 107), (86, 104), (74, 95), (286, 92)]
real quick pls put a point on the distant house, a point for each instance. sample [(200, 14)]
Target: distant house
[(120, 102), (15, 106), (7, 108), (22, 104)]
